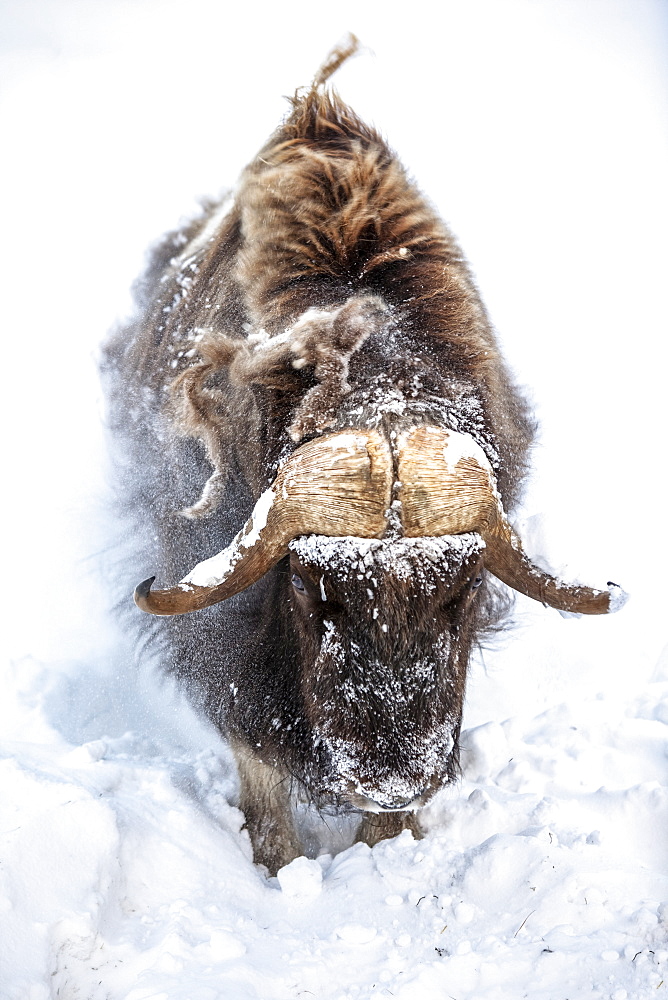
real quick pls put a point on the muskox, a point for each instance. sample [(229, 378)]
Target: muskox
[(314, 392)]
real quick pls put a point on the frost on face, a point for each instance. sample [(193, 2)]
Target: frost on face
[(420, 559), (385, 687), (368, 776), (331, 644), (391, 767)]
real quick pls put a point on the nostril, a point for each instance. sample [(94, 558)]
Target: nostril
[(377, 802), (397, 805), (394, 806)]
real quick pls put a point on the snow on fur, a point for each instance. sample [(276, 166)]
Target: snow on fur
[(403, 558)]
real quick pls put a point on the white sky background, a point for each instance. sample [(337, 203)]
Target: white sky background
[(537, 128)]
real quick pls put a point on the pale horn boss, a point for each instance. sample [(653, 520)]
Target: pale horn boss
[(341, 485)]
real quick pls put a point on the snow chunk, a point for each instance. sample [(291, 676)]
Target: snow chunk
[(356, 933), (618, 597), (224, 945), (302, 879), (460, 446)]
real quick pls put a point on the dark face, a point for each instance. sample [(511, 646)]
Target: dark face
[(386, 629)]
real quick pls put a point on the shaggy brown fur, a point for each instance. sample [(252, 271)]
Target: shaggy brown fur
[(325, 211), (326, 295)]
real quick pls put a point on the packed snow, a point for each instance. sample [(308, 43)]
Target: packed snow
[(125, 872)]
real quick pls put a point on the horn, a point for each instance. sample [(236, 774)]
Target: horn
[(448, 487), (337, 484)]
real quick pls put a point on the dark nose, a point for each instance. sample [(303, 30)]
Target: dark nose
[(397, 805), (394, 806)]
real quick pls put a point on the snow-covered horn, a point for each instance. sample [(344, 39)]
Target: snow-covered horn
[(448, 487), (338, 484)]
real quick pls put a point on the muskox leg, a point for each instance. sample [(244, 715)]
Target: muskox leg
[(381, 826), (265, 800)]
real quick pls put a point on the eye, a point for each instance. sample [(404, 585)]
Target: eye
[(297, 583), (476, 581)]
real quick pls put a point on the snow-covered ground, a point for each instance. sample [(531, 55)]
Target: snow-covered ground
[(538, 128)]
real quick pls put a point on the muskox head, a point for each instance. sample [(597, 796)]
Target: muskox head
[(386, 626), (388, 541)]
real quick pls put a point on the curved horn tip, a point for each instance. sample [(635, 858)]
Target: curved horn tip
[(617, 599), (141, 593)]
